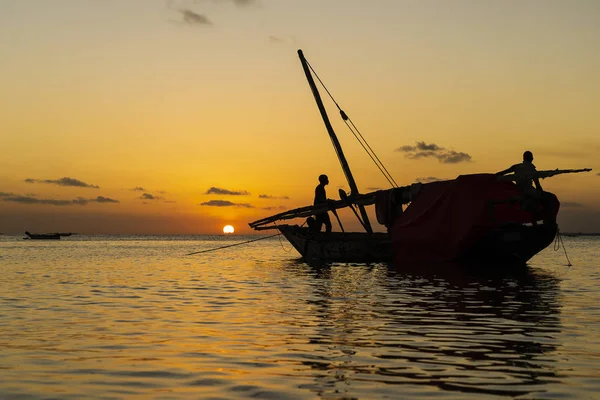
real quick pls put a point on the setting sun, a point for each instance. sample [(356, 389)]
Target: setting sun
[(228, 229)]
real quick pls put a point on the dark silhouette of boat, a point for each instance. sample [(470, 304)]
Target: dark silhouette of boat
[(474, 218), (42, 236)]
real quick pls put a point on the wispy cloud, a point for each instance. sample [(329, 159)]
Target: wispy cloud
[(190, 17), (102, 199), (268, 196), (239, 3), (138, 189), (55, 202), (443, 155), (225, 203), (149, 196), (219, 191), (66, 181), (243, 3), (6, 194), (428, 179), (275, 208)]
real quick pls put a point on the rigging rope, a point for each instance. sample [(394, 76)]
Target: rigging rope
[(558, 242), (378, 163), (357, 134)]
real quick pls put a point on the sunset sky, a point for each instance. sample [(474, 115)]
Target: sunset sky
[(153, 116)]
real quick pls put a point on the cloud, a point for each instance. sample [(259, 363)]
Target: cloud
[(66, 181), (6, 194), (570, 204), (239, 3), (80, 201), (54, 202), (243, 3), (225, 203), (428, 179), (275, 39), (268, 196), (102, 199), (274, 208), (148, 196), (454, 157), (215, 190), (421, 146), (33, 200), (598, 174), (190, 17), (138, 189), (424, 150)]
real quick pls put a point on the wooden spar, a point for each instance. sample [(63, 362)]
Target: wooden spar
[(334, 140), (306, 211), (542, 174)]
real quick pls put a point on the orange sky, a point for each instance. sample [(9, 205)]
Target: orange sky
[(145, 105)]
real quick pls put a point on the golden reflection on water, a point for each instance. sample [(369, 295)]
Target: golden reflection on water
[(134, 318)]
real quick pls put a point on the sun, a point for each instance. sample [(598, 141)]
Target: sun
[(228, 229)]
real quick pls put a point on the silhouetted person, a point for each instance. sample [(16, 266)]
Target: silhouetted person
[(525, 179), (321, 198), (524, 172)]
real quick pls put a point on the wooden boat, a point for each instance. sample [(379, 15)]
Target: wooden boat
[(478, 218), (42, 236)]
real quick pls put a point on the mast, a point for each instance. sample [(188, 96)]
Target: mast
[(334, 140)]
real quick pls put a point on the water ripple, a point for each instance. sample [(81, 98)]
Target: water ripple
[(132, 318)]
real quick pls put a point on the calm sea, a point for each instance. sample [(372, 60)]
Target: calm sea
[(133, 317)]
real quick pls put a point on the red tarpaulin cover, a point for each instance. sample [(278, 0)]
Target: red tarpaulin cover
[(448, 217)]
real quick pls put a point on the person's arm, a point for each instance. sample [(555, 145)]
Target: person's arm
[(506, 171)]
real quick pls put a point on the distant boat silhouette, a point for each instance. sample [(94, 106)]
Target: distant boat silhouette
[(42, 236), (478, 218)]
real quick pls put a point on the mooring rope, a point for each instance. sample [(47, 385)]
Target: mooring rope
[(282, 246), (559, 242), (232, 245)]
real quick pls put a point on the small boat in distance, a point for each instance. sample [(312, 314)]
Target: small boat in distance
[(477, 218), (42, 236)]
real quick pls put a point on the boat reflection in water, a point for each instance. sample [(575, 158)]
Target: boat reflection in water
[(457, 331)]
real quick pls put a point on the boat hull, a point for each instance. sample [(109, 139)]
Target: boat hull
[(338, 246), (511, 245), (42, 236)]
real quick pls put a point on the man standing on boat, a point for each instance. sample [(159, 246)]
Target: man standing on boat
[(321, 198)]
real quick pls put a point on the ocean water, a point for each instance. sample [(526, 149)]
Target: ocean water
[(133, 317)]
